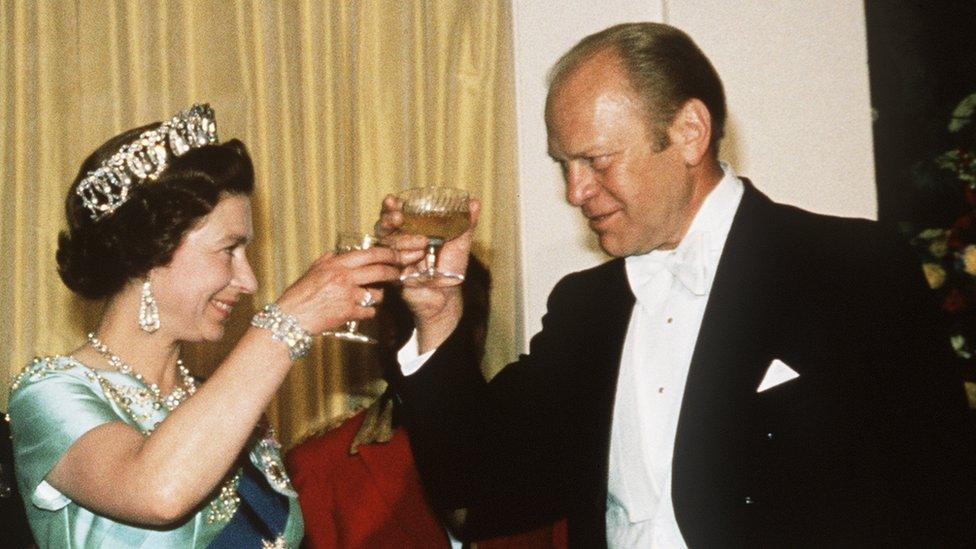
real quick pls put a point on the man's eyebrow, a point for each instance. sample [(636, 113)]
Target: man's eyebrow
[(585, 153)]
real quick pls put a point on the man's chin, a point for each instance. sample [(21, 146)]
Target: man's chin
[(612, 246), (616, 247)]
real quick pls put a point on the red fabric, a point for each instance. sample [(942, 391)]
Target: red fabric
[(374, 499)]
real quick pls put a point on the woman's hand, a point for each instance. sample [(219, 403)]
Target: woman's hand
[(334, 289)]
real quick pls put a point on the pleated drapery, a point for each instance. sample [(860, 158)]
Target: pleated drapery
[(339, 104)]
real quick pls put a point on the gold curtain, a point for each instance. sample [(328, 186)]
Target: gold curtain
[(339, 103)]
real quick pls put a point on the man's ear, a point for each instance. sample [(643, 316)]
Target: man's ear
[(691, 131)]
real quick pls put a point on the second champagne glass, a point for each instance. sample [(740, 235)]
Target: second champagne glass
[(440, 214), (345, 243)]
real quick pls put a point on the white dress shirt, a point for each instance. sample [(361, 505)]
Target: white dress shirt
[(672, 289), (671, 297)]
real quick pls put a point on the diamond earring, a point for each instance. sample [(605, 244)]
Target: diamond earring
[(148, 312)]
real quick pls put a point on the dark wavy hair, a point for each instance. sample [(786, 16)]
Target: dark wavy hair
[(96, 258)]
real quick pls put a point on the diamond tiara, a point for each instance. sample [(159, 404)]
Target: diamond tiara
[(103, 190)]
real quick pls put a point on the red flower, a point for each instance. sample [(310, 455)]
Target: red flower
[(954, 301), (963, 231)]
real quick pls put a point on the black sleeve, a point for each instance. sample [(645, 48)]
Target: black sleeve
[(501, 450)]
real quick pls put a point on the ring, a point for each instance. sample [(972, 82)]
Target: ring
[(367, 300)]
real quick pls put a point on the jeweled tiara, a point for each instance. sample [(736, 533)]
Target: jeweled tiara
[(103, 190)]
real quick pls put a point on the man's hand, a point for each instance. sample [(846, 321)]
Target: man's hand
[(436, 310)]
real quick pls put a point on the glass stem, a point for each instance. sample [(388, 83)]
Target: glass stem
[(431, 260)]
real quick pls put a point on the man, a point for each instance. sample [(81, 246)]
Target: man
[(744, 373)]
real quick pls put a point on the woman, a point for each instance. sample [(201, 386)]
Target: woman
[(115, 444)]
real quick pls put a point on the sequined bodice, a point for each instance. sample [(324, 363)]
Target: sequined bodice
[(55, 400)]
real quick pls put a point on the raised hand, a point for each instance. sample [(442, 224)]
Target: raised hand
[(436, 309), (332, 291)]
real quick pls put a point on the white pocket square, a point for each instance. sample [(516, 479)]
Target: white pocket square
[(777, 373)]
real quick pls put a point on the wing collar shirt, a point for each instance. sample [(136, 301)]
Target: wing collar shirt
[(671, 287)]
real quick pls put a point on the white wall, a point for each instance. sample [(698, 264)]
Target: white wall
[(796, 81), (554, 240)]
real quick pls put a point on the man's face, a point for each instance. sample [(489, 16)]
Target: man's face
[(636, 199)]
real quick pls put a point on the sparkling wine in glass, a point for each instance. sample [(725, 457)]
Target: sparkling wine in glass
[(347, 242), (440, 214)]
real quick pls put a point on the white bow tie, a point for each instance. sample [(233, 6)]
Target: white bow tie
[(688, 264)]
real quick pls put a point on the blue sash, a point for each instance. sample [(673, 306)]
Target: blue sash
[(262, 514)]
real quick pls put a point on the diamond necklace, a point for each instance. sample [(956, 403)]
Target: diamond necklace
[(172, 400)]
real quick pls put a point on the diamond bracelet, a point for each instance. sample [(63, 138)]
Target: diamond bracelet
[(285, 328)]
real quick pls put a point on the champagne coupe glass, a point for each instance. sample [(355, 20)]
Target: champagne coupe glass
[(347, 242), (440, 214)]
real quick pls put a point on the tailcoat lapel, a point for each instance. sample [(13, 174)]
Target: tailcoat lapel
[(710, 474), (604, 333)]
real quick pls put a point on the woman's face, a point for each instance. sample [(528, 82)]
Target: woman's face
[(198, 289)]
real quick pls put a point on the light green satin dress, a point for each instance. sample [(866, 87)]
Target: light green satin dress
[(53, 402)]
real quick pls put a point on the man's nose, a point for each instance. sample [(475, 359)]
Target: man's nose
[(580, 185)]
